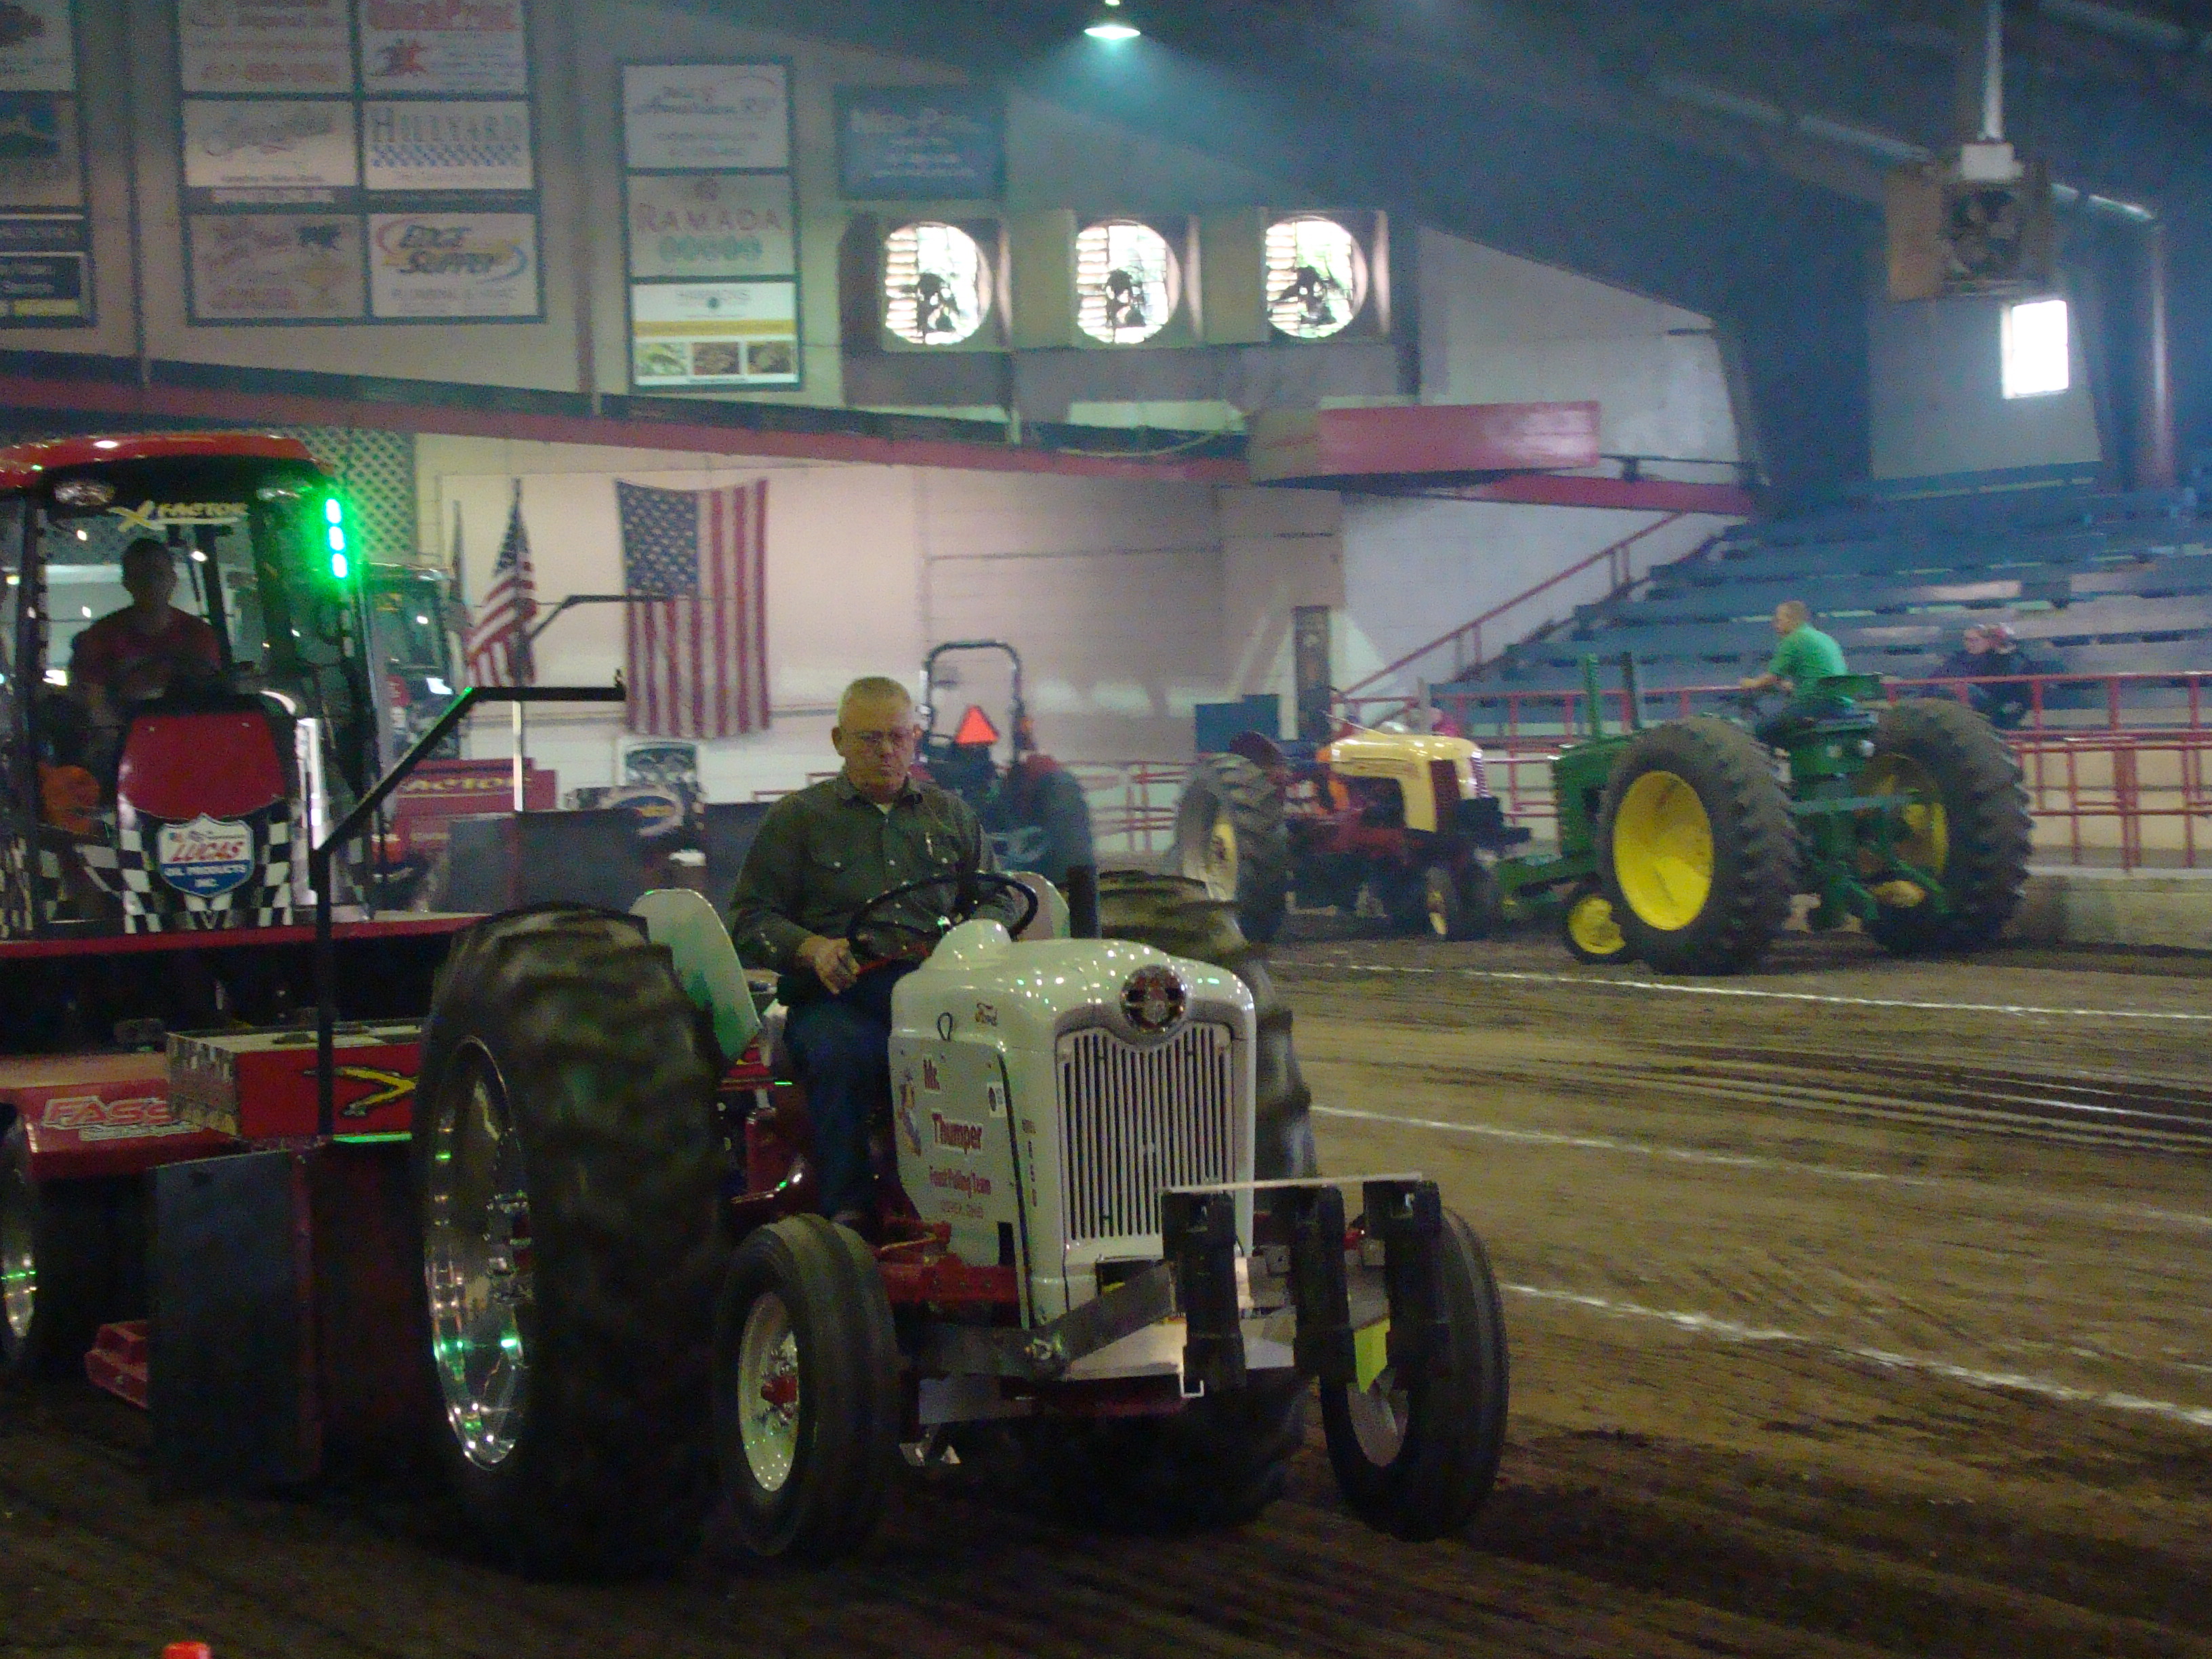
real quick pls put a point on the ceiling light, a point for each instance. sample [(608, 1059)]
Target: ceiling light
[(1112, 26)]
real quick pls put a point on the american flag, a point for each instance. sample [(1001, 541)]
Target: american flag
[(499, 640), (697, 657)]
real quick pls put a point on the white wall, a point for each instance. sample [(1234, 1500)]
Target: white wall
[(1936, 400), (1112, 590), (1495, 329), (1415, 569)]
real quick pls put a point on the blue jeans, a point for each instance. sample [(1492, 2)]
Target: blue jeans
[(841, 1045)]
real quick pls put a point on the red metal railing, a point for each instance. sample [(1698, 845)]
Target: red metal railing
[(1466, 640)]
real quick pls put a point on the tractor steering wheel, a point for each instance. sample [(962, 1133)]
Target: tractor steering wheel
[(876, 940)]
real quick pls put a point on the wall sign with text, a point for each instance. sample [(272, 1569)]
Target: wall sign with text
[(919, 144), (46, 240), (356, 161), (710, 226)]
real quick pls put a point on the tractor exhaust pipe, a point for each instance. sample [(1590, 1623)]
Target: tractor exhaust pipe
[(1083, 900)]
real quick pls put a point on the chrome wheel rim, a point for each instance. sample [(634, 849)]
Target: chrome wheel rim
[(768, 1387), (1378, 1413), (476, 1261), (19, 1254)]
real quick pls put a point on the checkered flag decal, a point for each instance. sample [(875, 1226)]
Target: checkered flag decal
[(151, 905)]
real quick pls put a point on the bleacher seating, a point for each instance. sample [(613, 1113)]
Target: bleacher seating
[(2091, 582)]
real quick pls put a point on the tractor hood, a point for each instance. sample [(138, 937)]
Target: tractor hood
[(1045, 1094)]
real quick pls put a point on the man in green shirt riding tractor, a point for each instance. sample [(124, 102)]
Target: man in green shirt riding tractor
[(1804, 657)]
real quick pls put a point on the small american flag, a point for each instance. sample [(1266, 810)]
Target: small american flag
[(499, 640), (698, 647)]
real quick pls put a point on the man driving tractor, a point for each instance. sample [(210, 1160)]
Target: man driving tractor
[(145, 649), (821, 855), (1804, 657)]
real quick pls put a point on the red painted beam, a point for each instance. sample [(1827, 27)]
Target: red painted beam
[(1440, 440), (139, 404)]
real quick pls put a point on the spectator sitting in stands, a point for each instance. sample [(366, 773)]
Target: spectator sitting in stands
[(1991, 651)]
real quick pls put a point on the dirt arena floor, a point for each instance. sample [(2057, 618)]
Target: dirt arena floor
[(1862, 1308)]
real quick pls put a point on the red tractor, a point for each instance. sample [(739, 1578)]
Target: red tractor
[(152, 868), (579, 1263)]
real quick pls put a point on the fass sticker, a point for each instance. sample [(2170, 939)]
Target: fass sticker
[(205, 858)]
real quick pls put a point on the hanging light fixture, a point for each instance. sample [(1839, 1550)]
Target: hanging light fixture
[(1111, 25)]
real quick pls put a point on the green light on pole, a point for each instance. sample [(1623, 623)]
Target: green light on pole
[(334, 516)]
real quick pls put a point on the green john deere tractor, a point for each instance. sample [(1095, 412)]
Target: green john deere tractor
[(1683, 844)]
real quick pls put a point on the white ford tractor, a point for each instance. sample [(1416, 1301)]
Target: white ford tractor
[(629, 1290)]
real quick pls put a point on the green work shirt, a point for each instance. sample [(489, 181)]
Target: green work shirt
[(824, 851), (1805, 655)]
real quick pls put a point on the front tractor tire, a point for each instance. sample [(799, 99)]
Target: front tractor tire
[(1696, 853), (1415, 1456), (1587, 927), (566, 1176), (806, 1391), (1230, 838), (1968, 826)]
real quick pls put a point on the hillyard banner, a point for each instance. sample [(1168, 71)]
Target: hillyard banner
[(710, 224), (476, 146)]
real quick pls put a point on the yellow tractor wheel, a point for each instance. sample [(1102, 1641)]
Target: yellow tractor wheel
[(1696, 853), (1587, 926), (1965, 824)]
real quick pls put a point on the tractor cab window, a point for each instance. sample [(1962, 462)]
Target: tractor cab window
[(258, 557)]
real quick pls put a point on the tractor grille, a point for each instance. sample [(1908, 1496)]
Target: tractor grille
[(1134, 1120)]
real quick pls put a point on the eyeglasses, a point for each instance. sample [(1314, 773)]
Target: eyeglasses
[(901, 738)]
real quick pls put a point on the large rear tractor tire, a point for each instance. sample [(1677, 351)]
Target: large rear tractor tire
[(1415, 1457), (566, 1175), (1969, 826), (1695, 850), (1174, 915), (1230, 838), (58, 1277), (806, 1390)]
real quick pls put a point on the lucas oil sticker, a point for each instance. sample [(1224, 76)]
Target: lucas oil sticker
[(205, 858)]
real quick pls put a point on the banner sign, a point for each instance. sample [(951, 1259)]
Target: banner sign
[(231, 144), (446, 146), (714, 334), (706, 117), (43, 277), (447, 267), (38, 51), (710, 224), (265, 45), (277, 268), (919, 144), (41, 164), (443, 45)]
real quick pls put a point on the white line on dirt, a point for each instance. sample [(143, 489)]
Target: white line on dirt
[(1593, 980), (1729, 1330), (2026, 1196)]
